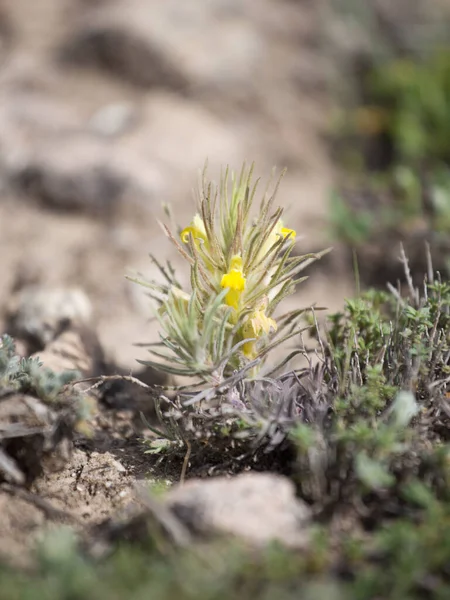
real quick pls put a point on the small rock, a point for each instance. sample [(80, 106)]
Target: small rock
[(258, 507), (51, 156), (73, 350), (107, 39), (112, 120), (21, 413), (39, 314), (73, 173), (45, 156), (118, 465), (169, 44)]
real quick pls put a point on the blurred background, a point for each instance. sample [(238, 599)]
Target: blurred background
[(108, 109)]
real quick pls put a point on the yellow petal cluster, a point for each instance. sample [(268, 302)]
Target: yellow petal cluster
[(278, 231), (197, 229), (235, 281), (255, 326), (285, 232)]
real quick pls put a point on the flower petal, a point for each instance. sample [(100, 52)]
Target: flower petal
[(285, 232), (196, 228), (233, 280)]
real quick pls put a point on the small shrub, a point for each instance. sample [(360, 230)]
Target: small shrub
[(241, 268), (28, 376), (223, 329), (39, 410)]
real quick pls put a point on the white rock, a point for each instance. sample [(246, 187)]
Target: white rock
[(258, 507)]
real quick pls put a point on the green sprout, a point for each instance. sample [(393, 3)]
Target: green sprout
[(241, 267)]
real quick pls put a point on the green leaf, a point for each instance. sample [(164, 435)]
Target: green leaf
[(372, 473)]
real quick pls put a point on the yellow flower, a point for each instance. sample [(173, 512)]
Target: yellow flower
[(255, 326), (197, 229), (278, 231), (235, 281), (285, 232)]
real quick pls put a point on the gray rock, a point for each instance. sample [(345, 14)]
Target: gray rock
[(117, 40), (41, 313), (113, 120), (174, 44), (74, 350), (52, 155), (257, 507), (71, 173), (47, 156)]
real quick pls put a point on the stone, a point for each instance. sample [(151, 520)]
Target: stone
[(48, 154), (55, 326), (256, 507), (169, 45), (55, 156), (40, 314), (113, 120), (71, 173), (73, 350)]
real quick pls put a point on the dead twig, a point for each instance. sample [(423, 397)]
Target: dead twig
[(104, 378), (186, 461)]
